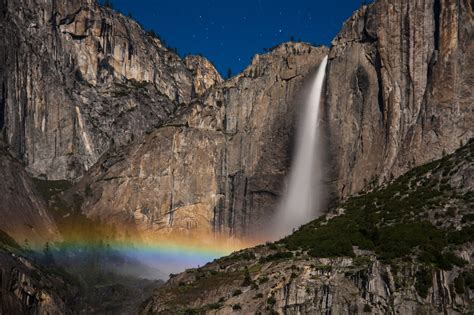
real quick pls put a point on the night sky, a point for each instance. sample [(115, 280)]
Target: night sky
[(230, 33)]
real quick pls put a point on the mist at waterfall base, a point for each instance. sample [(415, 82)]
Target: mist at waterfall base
[(303, 194)]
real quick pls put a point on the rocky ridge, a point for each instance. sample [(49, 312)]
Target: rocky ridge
[(77, 78)]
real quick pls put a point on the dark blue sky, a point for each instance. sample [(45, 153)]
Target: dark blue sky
[(229, 33)]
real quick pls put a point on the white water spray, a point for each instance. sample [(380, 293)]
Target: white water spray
[(300, 202)]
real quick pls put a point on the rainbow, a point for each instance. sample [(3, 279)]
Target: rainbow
[(162, 254)]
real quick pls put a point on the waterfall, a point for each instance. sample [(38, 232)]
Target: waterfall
[(300, 201)]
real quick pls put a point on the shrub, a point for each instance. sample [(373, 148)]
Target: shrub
[(367, 308), (459, 284), (263, 280), (276, 256), (237, 292), (258, 296), (423, 282), (236, 307), (8, 240), (215, 306), (247, 279), (271, 301)]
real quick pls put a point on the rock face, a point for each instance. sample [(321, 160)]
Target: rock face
[(405, 272), (76, 78), (219, 165), (205, 74), (23, 211), (399, 89), (25, 288)]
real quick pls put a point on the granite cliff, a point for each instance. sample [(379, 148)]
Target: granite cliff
[(219, 165), (87, 91), (27, 287), (399, 89), (403, 248), (23, 212), (77, 78)]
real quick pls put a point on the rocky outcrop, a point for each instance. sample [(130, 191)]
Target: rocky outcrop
[(308, 286), (22, 210), (26, 288), (398, 89), (217, 167), (204, 73), (76, 78)]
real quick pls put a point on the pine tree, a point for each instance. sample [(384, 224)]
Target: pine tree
[(108, 4), (229, 73), (48, 257), (26, 245)]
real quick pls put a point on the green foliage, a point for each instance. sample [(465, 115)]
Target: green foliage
[(271, 301), (239, 256), (263, 280), (247, 279), (459, 284), (214, 306), (48, 258), (108, 4), (258, 296), (367, 308), (236, 307), (390, 220), (468, 218), (465, 235), (237, 292), (88, 190), (272, 246), (8, 240), (423, 281), (277, 256)]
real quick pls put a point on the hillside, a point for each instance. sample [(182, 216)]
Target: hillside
[(405, 247)]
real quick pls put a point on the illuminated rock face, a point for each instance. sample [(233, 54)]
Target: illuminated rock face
[(77, 78), (219, 165), (190, 152), (399, 89)]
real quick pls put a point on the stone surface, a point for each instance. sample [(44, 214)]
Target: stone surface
[(219, 166), (204, 73), (279, 279), (307, 286), (398, 89), (23, 212), (26, 288), (76, 78)]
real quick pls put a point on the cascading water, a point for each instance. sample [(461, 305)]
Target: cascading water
[(299, 204)]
